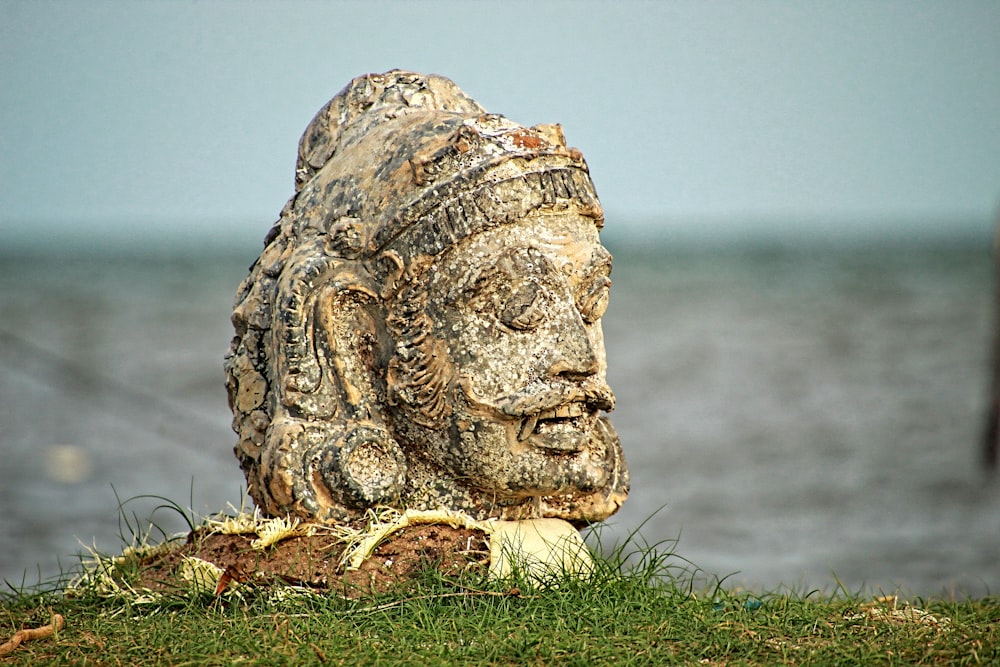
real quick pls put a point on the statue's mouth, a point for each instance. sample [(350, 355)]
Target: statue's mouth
[(565, 428)]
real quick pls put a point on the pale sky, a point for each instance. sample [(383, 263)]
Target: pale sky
[(146, 120)]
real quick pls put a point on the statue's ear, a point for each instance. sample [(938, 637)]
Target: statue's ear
[(329, 427), (349, 345), (361, 463)]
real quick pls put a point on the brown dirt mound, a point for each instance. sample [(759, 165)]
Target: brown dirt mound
[(313, 561)]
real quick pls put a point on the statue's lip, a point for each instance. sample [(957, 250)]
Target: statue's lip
[(562, 428)]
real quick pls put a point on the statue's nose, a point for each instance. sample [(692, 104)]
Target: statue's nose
[(574, 352)]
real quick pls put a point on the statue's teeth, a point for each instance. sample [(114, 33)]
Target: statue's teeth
[(568, 410), (528, 426)]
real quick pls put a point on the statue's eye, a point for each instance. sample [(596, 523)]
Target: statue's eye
[(594, 301), (525, 308)]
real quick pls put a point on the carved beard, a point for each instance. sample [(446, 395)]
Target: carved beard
[(419, 373)]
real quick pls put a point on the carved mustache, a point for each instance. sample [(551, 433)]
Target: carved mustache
[(596, 395)]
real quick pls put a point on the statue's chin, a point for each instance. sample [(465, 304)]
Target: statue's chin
[(561, 456)]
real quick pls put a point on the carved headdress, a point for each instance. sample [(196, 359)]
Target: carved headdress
[(394, 170)]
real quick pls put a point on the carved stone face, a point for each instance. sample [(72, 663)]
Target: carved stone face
[(422, 328), (519, 308)]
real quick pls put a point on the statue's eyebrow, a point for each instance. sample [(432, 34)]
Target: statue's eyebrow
[(472, 282)]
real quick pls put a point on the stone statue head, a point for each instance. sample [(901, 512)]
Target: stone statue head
[(423, 327)]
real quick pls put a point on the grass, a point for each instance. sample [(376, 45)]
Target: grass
[(642, 606)]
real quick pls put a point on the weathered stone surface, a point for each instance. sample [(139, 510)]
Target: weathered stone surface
[(423, 327)]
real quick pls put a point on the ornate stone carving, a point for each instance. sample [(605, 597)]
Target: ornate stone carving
[(422, 329)]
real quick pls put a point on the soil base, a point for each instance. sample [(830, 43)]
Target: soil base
[(314, 561)]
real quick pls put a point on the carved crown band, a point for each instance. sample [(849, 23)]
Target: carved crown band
[(490, 205)]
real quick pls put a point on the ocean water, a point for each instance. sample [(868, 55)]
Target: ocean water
[(804, 415)]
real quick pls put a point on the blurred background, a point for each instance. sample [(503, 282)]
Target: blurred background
[(800, 197)]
